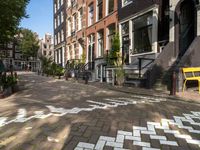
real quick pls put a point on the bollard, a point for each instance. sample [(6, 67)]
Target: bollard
[(86, 78), (173, 84)]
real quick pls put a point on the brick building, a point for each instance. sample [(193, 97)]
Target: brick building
[(101, 26), (75, 31), (60, 31)]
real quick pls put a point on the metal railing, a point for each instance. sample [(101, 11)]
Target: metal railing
[(140, 67)]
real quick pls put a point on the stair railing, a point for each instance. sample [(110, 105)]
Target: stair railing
[(140, 67)]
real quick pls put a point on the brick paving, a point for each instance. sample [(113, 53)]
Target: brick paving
[(51, 114)]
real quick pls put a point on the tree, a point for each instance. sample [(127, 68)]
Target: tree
[(29, 44), (114, 56), (11, 13), (46, 64)]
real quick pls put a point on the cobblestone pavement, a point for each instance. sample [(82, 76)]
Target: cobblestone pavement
[(51, 114)]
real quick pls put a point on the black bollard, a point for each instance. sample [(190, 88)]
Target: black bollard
[(173, 84), (86, 78)]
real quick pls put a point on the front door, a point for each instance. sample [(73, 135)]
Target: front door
[(187, 28)]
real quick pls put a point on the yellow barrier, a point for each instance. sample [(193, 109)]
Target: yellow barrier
[(194, 75)]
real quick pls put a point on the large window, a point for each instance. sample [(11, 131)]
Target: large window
[(58, 37), (74, 23), (62, 35), (58, 20), (91, 15), (142, 34), (62, 17), (91, 43), (69, 27), (58, 4), (110, 6), (99, 9), (111, 34), (55, 7), (80, 18), (100, 43), (125, 42), (69, 3), (55, 23)]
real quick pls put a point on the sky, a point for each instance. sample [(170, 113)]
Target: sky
[(40, 17)]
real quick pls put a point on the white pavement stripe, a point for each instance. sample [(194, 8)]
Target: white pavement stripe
[(136, 135)]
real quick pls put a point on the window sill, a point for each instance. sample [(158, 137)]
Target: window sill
[(141, 54), (126, 4)]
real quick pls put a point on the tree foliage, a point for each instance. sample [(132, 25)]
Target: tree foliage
[(11, 13), (114, 55), (29, 43)]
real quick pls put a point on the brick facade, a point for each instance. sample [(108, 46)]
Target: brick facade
[(102, 24)]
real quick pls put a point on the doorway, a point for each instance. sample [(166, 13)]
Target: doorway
[(186, 25)]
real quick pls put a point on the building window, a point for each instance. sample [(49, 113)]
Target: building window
[(69, 3), (80, 18), (45, 53), (91, 44), (45, 46), (61, 2), (55, 8), (55, 39), (111, 34), (99, 9), (74, 23), (58, 3), (126, 2), (58, 37), (62, 17), (100, 43), (62, 35), (55, 23), (58, 20), (125, 42), (73, 3), (110, 6), (69, 27), (142, 34), (91, 15)]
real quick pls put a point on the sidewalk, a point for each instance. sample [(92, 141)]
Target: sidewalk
[(190, 95)]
